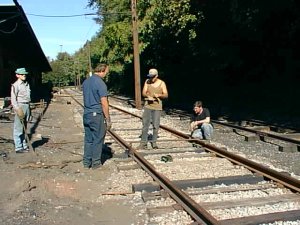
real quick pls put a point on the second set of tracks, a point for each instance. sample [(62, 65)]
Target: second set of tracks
[(191, 172)]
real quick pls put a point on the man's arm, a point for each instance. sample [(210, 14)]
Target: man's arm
[(145, 89), (105, 107), (164, 93), (14, 97), (206, 120)]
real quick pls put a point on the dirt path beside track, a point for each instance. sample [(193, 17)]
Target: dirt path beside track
[(51, 186)]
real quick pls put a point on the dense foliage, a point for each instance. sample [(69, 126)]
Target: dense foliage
[(246, 50)]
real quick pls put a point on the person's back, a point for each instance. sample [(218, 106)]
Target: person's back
[(96, 118), (93, 89)]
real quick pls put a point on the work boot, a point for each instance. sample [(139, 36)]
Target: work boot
[(154, 145)]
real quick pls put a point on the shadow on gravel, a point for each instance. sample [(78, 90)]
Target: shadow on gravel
[(41, 142), (106, 152)]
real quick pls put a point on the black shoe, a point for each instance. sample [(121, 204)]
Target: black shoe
[(154, 146)]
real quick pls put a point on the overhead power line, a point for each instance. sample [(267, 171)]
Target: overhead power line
[(85, 14), (77, 15)]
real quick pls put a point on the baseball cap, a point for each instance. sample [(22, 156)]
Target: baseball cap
[(152, 73)]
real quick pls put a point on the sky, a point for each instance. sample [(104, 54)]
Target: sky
[(59, 34)]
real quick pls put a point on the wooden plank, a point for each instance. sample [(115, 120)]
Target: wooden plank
[(197, 183), (163, 209), (231, 189), (120, 156), (129, 167), (251, 137), (251, 202), (146, 196), (264, 218), (174, 150), (167, 139), (122, 160), (288, 148), (260, 128), (158, 195)]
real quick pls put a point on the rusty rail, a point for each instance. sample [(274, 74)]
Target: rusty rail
[(281, 178)]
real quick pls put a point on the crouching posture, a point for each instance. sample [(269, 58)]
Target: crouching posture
[(200, 122)]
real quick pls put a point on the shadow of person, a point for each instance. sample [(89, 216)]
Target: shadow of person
[(40, 142), (106, 152)]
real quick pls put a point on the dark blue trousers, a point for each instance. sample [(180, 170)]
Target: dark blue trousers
[(95, 130)]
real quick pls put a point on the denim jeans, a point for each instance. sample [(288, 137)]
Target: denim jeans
[(150, 115), (205, 132), (18, 132), (95, 130)]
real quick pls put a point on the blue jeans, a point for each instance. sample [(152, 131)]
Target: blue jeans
[(18, 132), (150, 115), (95, 130), (205, 132)]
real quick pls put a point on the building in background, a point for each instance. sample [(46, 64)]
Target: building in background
[(19, 47)]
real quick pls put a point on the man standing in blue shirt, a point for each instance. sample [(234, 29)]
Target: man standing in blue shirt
[(96, 119)]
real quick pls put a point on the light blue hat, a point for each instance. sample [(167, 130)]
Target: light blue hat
[(21, 71)]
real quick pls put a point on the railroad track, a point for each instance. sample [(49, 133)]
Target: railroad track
[(287, 138), (211, 184)]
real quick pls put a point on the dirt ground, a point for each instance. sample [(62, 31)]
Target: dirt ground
[(50, 186)]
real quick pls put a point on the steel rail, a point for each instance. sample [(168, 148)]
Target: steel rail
[(281, 178), (198, 213), (193, 209), (260, 133)]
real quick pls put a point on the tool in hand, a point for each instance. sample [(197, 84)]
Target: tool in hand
[(27, 138)]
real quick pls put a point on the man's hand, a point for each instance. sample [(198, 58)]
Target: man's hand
[(157, 95), (20, 113), (108, 124), (193, 126), (149, 98)]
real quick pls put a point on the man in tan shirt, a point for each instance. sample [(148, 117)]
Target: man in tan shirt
[(154, 91)]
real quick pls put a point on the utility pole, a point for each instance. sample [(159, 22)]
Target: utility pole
[(62, 71), (90, 61), (136, 55)]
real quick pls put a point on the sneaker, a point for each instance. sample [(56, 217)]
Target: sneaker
[(22, 151), (26, 150)]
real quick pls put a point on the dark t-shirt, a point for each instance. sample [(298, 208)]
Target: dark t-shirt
[(196, 117), (93, 89)]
